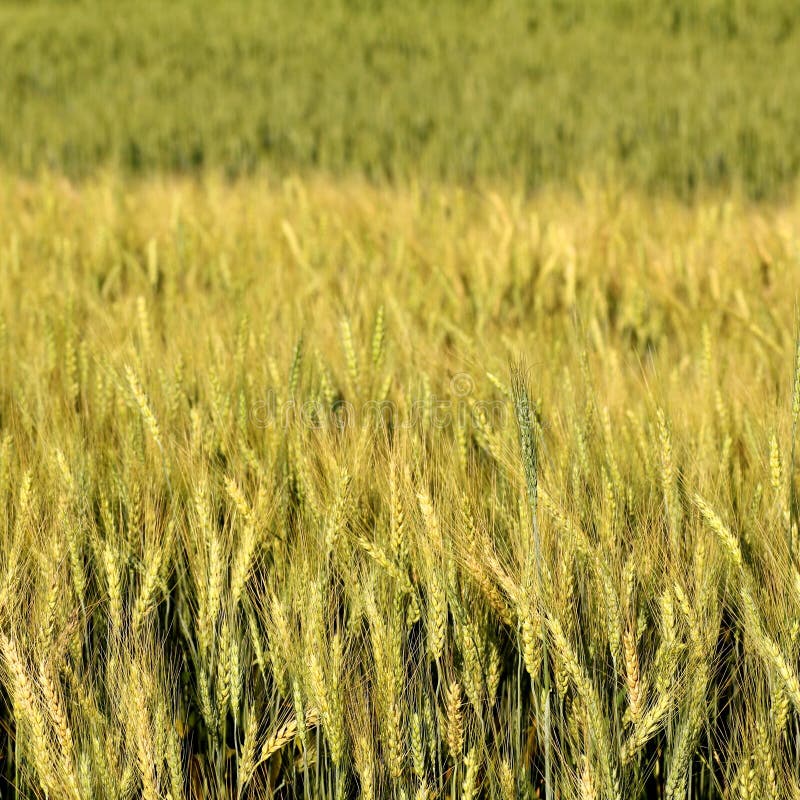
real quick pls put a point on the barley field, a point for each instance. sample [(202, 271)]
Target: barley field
[(399, 401), (318, 489)]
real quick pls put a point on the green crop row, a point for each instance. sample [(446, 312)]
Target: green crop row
[(677, 95)]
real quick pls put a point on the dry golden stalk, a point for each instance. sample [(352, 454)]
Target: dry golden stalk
[(144, 407), (727, 539), (688, 732), (632, 677), (768, 649), (587, 785), (495, 599), (247, 757), (28, 710), (58, 718), (417, 745), (647, 727), (286, 734), (469, 788), (144, 600), (436, 615), (113, 578), (145, 756), (365, 765), (508, 787), (455, 720)]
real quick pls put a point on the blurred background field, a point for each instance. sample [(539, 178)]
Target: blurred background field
[(675, 95)]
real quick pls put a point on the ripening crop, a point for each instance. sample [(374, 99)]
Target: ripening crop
[(322, 489)]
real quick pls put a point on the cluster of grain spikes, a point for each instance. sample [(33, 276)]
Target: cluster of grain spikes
[(367, 561)]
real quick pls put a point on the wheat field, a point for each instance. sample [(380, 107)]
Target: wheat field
[(324, 490), (675, 95)]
